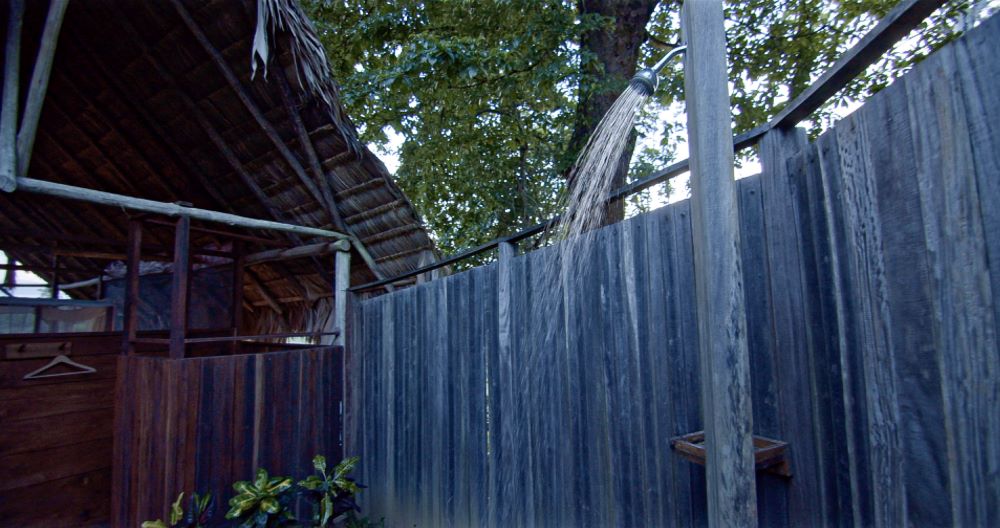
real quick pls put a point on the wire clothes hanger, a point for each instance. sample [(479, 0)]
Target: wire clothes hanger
[(60, 360)]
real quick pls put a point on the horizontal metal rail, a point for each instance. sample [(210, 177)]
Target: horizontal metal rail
[(903, 18)]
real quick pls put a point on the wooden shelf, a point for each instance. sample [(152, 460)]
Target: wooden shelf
[(769, 454)]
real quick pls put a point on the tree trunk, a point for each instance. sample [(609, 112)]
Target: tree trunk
[(615, 51)]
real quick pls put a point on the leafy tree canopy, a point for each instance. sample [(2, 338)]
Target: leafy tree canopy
[(484, 93)]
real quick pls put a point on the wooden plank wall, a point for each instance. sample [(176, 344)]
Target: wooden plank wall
[(871, 261), (200, 424), (55, 435)]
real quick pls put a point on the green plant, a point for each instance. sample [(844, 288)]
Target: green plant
[(262, 503), (199, 513), (333, 492)]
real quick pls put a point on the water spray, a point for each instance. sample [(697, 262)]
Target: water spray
[(647, 79)]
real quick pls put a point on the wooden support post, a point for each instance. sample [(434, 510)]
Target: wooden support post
[(134, 257), (342, 281), (724, 359), (11, 86), (39, 84), (55, 277), (239, 260), (179, 288)]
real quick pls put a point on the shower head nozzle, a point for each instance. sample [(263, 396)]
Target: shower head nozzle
[(646, 80)]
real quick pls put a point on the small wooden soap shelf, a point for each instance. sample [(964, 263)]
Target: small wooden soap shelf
[(768, 454)]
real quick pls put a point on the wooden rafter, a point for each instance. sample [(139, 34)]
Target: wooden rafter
[(307, 146), (39, 84), (140, 204), (9, 111), (241, 93), (152, 125), (206, 125)]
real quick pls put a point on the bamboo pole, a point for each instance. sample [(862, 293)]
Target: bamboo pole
[(342, 281), (39, 84), (150, 206), (11, 82), (724, 357)]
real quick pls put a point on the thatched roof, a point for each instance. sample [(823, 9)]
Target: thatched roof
[(205, 102)]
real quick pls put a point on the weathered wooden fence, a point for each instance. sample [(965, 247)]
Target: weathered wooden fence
[(872, 326)]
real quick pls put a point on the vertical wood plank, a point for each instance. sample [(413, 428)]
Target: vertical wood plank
[(133, 258), (721, 312), (877, 370), (963, 305), (342, 281), (507, 386), (236, 304), (180, 287)]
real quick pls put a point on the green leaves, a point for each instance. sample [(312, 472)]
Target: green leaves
[(483, 95), (262, 502), (198, 515), (176, 510), (334, 491)]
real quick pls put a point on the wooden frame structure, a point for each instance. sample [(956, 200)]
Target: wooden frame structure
[(124, 150), (349, 189), (906, 16)]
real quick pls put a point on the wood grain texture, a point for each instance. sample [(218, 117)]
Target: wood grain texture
[(870, 285), (725, 363), (56, 437), (200, 424)]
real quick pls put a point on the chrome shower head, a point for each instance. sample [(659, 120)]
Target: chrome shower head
[(647, 80)]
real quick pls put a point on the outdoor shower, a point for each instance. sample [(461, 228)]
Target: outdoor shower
[(646, 80)]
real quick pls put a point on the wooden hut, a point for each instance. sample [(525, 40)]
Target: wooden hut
[(187, 168)]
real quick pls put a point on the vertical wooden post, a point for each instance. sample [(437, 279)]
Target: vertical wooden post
[(341, 282), (39, 84), (239, 261), (724, 358), (11, 86), (55, 277), (133, 258), (179, 287)]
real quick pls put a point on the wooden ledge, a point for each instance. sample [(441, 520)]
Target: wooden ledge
[(769, 454)]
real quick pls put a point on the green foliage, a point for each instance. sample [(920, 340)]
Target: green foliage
[(199, 513), (332, 493), (263, 502), (484, 93)]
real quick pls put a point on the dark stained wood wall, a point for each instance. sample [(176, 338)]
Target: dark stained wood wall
[(872, 281), (56, 434), (200, 424)]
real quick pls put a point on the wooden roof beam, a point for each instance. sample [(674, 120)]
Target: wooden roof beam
[(139, 152), (167, 209), (209, 129), (307, 145), (374, 211), (361, 187), (11, 87), (152, 125), (39, 84), (264, 291), (269, 130), (252, 107)]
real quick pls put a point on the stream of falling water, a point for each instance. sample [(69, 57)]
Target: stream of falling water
[(592, 178)]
